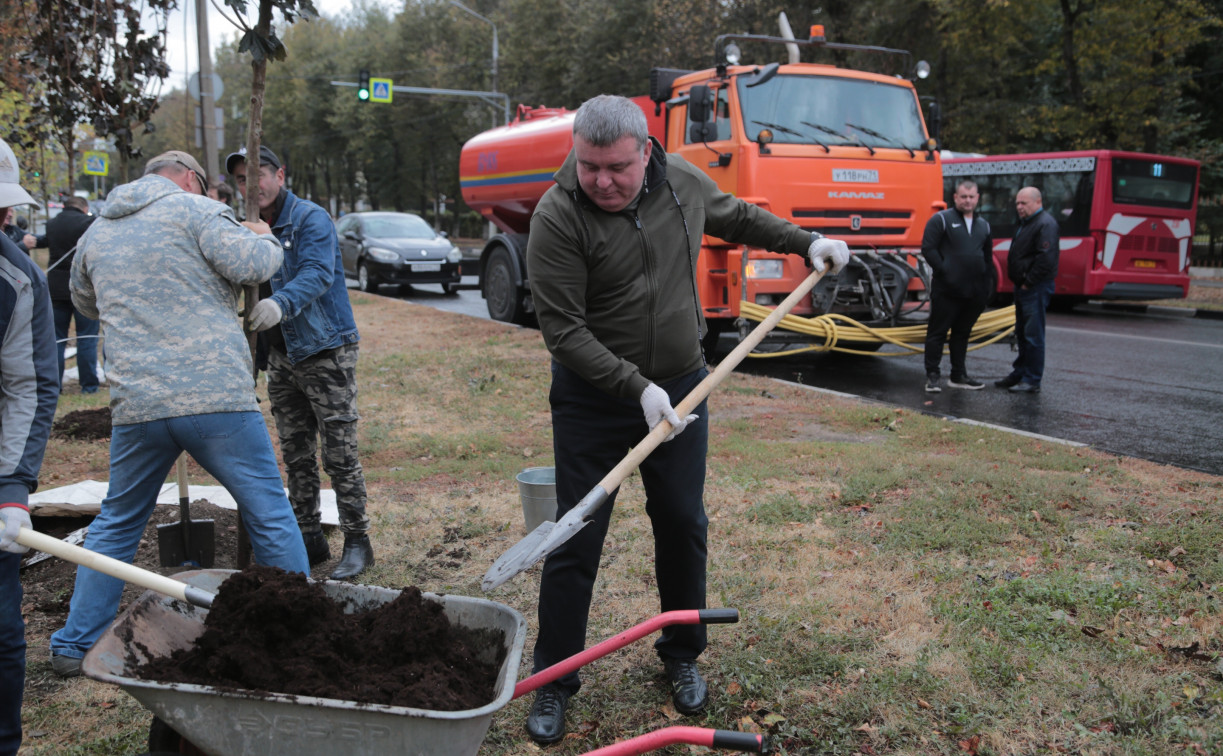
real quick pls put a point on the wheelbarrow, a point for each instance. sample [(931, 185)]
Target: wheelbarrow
[(229, 722)]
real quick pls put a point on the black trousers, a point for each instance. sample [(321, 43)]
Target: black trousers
[(592, 432), (955, 314)]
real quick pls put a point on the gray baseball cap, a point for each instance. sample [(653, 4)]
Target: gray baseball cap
[(11, 193)]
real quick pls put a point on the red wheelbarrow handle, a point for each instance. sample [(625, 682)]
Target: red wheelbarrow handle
[(679, 617), (652, 741)]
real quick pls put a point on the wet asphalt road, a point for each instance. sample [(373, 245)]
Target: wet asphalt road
[(1147, 385)]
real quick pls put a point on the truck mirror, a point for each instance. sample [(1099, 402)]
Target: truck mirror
[(702, 132), (699, 100)]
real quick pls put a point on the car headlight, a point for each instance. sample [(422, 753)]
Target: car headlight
[(764, 269), (383, 255), (454, 255)]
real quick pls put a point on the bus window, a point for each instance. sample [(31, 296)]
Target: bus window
[(1150, 182)]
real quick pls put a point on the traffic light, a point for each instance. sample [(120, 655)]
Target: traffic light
[(363, 85)]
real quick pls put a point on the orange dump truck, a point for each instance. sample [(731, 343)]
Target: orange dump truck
[(839, 151)]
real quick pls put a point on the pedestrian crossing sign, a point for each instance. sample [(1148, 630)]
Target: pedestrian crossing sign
[(380, 90), (96, 164)]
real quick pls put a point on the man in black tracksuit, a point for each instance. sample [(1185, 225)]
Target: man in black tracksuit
[(959, 248), (1032, 268)]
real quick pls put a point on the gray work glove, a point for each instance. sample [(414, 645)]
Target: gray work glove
[(657, 407), (823, 248), (265, 315), (14, 518)]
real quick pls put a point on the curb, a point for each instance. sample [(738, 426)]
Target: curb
[(1175, 312)]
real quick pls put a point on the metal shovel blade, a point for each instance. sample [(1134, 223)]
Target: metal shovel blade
[(186, 542), (542, 541)]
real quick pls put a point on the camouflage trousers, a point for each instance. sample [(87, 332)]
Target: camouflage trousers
[(317, 399)]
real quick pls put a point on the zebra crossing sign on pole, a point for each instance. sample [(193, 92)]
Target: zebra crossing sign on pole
[(380, 90)]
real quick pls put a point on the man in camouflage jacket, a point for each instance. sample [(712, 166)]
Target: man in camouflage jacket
[(162, 268)]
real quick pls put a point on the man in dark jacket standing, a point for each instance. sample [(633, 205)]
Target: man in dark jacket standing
[(63, 232), (1032, 268), (311, 340), (959, 249), (612, 254)]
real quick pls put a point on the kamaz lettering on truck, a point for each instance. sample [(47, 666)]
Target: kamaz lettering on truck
[(839, 151)]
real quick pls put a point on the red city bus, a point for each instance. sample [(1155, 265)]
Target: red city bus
[(1126, 218)]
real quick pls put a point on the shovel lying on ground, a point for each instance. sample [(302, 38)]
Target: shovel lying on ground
[(550, 535), (186, 542), (128, 573)]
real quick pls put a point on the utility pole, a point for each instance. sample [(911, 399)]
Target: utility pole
[(208, 119)]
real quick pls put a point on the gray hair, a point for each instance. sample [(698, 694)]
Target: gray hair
[(606, 119), (966, 183)]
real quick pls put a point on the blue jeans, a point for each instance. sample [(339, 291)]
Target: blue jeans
[(234, 447), (86, 344), (591, 433), (1030, 306), (12, 653)]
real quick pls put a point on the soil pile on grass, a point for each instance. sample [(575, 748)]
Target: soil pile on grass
[(269, 630), (83, 425)]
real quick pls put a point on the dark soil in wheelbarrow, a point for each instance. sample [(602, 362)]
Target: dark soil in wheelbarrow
[(272, 631)]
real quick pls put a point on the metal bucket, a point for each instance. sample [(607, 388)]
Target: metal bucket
[(537, 489), (224, 722)]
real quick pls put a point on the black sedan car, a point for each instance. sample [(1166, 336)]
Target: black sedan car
[(396, 248)]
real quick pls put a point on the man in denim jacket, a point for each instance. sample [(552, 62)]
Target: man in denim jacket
[(312, 361)]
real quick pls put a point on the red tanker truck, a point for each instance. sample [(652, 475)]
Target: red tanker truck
[(839, 151)]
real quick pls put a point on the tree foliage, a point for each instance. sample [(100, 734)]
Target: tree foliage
[(1009, 76), (94, 61)]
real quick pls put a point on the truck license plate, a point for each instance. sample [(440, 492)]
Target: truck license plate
[(426, 267), (1144, 263)]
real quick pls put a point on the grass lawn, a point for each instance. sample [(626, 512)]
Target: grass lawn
[(907, 585)]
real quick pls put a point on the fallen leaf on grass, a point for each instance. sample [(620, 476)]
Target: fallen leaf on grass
[(970, 745), (668, 711), (865, 727), (1176, 552), (1106, 727), (747, 724), (924, 704), (771, 719), (734, 689), (1091, 632)]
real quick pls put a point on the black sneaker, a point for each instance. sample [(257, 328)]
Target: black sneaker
[(689, 692), (1007, 382), (965, 383), (932, 386), (546, 722)]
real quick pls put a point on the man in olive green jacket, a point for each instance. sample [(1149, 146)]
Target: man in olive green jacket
[(612, 257)]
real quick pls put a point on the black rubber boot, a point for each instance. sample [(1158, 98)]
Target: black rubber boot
[(317, 550), (357, 558)]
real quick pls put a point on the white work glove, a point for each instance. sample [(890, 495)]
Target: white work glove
[(657, 407), (823, 249), (265, 315), (14, 518)]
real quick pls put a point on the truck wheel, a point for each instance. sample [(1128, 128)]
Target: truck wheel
[(709, 342), (504, 297), (366, 282)]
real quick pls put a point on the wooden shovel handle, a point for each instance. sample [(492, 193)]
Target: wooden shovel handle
[(703, 389), (128, 573)]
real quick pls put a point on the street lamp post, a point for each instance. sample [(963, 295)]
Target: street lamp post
[(459, 5)]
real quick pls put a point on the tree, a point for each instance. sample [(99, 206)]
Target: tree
[(96, 63)]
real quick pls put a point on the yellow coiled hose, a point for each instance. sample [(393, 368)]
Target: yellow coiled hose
[(832, 329)]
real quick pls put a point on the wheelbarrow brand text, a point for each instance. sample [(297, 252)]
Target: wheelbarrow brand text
[(280, 726)]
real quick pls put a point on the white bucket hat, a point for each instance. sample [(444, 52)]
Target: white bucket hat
[(11, 193)]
